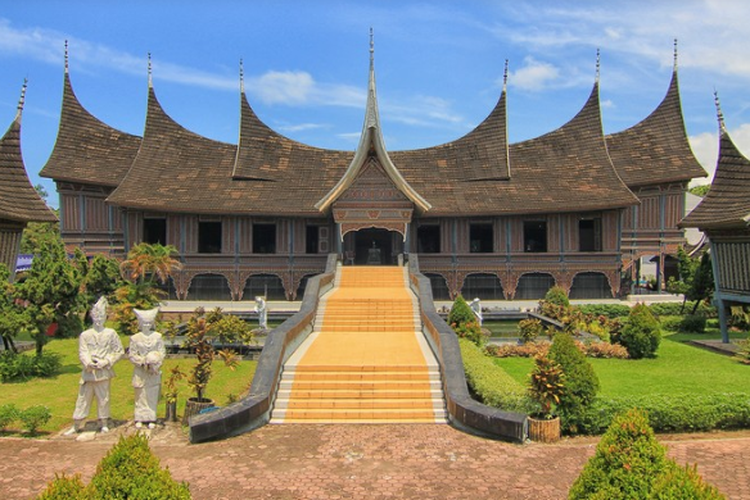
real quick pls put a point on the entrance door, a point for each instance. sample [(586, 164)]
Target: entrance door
[(373, 247)]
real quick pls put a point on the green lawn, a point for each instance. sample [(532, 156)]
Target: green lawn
[(678, 369), (59, 392)]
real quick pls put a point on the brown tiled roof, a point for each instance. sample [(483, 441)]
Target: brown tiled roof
[(656, 150), (565, 170), (87, 150), (19, 201), (727, 203)]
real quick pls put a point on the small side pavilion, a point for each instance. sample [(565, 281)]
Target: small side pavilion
[(19, 201), (724, 215)]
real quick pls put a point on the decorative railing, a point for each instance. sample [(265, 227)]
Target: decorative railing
[(254, 409)]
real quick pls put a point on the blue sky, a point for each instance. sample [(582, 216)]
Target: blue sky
[(439, 66)]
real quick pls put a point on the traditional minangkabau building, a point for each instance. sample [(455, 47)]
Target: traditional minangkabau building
[(724, 215), (487, 218), (19, 201)]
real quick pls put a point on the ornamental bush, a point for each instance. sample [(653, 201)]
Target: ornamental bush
[(611, 311), (8, 414), (24, 366), (131, 470), (529, 329), (34, 417), (581, 382), (693, 323), (641, 334), (627, 462), (683, 482), (64, 488), (464, 322)]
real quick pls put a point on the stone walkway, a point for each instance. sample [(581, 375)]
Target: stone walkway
[(363, 461)]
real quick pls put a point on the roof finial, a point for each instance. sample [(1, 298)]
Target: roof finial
[(598, 64), (505, 76), (372, 45), (66, 56), (150, 82), (242, 78), (22, 99), (675, 55), (719, 114)]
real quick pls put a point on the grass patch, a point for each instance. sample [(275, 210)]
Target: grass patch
[(59, 393), (678, 369)]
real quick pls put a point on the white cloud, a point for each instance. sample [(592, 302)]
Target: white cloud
[(534, 75), (287, 87), (301, 127)]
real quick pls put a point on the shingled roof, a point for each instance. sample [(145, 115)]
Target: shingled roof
[(565, 170), (19, 201), (727, 204), (656, 150), (88, 150)]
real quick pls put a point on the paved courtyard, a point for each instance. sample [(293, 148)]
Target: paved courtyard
[(362, 461)]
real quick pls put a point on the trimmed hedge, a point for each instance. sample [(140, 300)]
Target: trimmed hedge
[(676, 309), (491, 384), (611, 311), (684, 413)]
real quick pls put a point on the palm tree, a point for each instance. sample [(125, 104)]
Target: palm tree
[(147, 262)]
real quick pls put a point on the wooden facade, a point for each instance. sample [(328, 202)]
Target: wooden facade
[(482, 214)]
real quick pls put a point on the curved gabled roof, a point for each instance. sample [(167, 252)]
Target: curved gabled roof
[(656, 150), (565, 170), (727, 204), (19, 201), (86, 149)]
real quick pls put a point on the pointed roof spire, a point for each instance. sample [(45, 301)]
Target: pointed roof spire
[(150, 79), (66, 56), (22, 100), (719, 114), (372, 47), (505, 76), (242, 77), (674, 67), (598, 64)]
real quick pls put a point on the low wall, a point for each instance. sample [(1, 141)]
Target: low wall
[(254, 409), (464, 412)]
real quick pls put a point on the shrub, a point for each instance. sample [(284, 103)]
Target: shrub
[(627, 461), (491, 384), (23, 366), (640, 335), (743, 353), (670, 323), (64, 488), (677, 309), (35, 417), (604, 350), (672, 413), (558, 296), (527, 350), (611, 311), (529, 329), (131, 470), (693, 323), (471, 331), (546, 384), (683, 482), (582, 384), (460, 312), (8, 414)]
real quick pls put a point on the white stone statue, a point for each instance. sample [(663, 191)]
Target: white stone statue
[(147, 353), (262, 310), (99, 348), (476, 306)]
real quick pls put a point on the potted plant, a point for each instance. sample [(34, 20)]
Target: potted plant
[(172, 391), (199, 342), (546, 387)]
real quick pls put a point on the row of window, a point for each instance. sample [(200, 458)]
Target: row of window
[(482, 235), (210, 236)]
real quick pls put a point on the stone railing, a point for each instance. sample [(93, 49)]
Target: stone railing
[(464, 412), (254, 409)]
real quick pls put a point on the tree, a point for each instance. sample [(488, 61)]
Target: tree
[(36, 234), (50, 292), (686, 267), (102, 278), (701, 190), (581, 382), (702, 285), (12, 318)]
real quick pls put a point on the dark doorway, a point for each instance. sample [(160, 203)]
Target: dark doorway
[(373, 247)]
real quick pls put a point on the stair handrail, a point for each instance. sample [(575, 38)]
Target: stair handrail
[(464, 412), (254, 410)]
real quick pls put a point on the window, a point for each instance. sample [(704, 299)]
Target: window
[(480, 238), (264, 238), (535, 236), (590, 235), (209, 237), (311, 239), (155, 231), (428, 239)]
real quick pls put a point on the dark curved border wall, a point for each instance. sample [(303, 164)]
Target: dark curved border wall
[(465, 413), (254, 410)]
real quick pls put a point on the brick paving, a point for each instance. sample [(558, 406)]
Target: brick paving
[(362, 461)]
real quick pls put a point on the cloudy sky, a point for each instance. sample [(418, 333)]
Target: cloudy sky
[(439, 65)]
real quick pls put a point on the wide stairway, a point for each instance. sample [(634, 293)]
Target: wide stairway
[(366, 360)]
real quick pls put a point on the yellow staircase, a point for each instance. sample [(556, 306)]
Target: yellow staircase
[(366, 360)]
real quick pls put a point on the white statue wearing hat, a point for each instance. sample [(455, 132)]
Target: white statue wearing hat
[(99, 348), (147, 353)]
